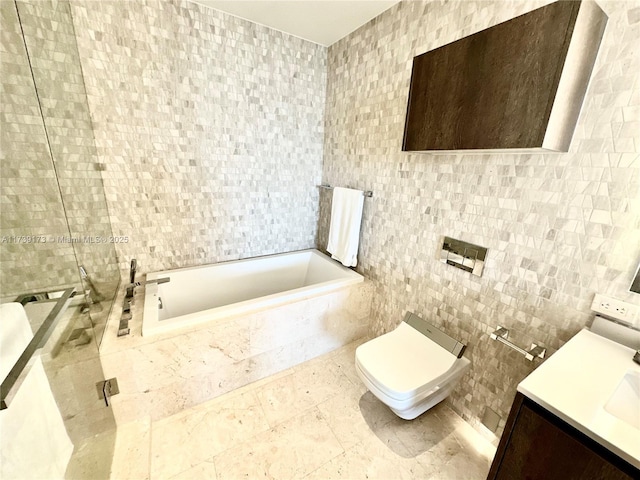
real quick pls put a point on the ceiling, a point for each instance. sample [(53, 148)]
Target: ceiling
[(323, 22)]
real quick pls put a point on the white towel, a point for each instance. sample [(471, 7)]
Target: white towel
[(344, 232), (33, 440)]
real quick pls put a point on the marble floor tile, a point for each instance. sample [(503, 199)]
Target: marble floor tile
[(344, 358), (441, 438), (290, 450), (354, 416), (203, 471), (131, 454), (306, 387), (473, 454), (73, 387), (92, 457), (461, 465), (311, 421), (195, 435), (380, 456), (427, 431)]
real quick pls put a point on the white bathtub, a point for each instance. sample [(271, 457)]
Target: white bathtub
[(200, 295)]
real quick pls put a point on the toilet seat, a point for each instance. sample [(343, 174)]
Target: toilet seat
[(404, 363), (407, 370)]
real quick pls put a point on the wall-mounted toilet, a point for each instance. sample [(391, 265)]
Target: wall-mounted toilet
[(412, 368)]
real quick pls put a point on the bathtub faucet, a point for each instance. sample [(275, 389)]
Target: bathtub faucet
[(159, 281), (123, 329), (128, 299), (132, 286)]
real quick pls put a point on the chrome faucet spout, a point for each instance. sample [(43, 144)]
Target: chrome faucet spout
[(157, 281)]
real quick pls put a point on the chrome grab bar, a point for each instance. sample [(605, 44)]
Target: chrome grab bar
[(536, 351)]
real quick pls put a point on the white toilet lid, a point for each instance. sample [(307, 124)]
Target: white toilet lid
[(404, 362)]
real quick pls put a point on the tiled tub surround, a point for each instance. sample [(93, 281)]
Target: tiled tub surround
[(558, 228), (209, 130), (161, 375), (201, 295)]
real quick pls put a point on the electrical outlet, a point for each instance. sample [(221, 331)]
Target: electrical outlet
[(623, 311)]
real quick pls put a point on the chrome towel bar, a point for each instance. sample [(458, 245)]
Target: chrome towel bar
[(366, 193), (536, 351), (20, 370)]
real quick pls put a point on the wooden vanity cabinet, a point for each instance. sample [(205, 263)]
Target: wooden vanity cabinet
[(537, 445)]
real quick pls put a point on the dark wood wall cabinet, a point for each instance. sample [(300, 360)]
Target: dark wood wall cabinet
[(517, 85), (537, 445)]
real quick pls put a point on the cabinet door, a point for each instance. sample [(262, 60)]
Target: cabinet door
[(540, 446), (493, 89)]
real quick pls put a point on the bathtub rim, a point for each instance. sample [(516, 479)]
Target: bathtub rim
[(152, 326)]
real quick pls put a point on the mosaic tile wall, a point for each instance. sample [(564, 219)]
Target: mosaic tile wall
[(209, 130), (49, 34), (30, 203), (558, 227), (50, 39)]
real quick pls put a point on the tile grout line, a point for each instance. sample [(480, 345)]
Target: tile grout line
[(344, 449)]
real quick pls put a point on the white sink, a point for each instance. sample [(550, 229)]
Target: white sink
[(625, 401)]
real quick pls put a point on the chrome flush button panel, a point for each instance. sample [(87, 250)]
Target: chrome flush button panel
[(466, 256)]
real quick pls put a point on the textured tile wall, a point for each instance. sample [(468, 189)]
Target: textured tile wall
[(209, 130), (558, 227), (49, 34), (32, 213), (50, 38)]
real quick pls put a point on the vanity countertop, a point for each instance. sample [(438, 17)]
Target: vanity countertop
[(576, 383)]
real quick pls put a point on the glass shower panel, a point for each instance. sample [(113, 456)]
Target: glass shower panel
[(53, 220), (32, 215), (51, 45)]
